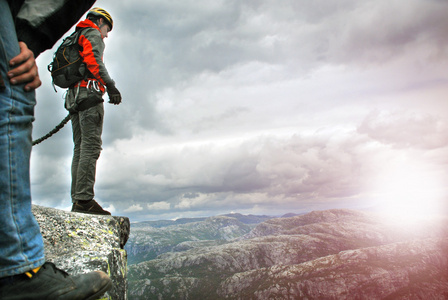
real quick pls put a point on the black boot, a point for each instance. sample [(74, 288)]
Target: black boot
[(51, 283), (89, 207)]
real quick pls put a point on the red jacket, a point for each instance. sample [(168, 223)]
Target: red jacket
[(92, 49)]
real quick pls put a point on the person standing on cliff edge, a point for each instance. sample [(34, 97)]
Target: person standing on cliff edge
[(27, 29), (84, 101)]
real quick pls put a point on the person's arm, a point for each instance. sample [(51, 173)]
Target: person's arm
[(24, 69), (92, 53), (92, 46), (41, 23)]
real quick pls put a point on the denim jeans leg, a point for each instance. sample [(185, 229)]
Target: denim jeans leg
[(21, 244)]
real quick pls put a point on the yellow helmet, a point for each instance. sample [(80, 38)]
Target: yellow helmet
[(99, 12)]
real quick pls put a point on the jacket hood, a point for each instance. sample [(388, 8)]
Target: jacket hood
[(87, 23)]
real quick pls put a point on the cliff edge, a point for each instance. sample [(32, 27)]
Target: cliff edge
[(80, 243)]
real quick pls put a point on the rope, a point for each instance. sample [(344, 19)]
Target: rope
[(56, 129)]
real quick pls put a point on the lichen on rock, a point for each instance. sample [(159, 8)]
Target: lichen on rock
[(80, 243)]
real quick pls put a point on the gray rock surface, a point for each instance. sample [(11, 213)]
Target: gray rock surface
[(80, 243)]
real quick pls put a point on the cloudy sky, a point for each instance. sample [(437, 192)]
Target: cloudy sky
[(263, 107)]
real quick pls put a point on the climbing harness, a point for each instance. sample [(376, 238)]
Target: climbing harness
[(56, 129), (91, 84)]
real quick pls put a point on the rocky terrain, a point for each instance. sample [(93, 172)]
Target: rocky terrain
[(147, 242), (334, 254)]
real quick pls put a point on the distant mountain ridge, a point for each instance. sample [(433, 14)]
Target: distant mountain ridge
[(246, 219), (333, 254)]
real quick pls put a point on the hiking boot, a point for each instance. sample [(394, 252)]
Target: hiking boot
[(89, 207), (51, 283)]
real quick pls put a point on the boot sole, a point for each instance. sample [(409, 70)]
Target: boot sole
[(100, 292), (90, 213)]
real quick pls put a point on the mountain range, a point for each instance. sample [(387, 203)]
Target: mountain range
[(332, 254), (152, 238)]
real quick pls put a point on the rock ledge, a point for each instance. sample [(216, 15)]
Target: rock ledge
[(80, 243)]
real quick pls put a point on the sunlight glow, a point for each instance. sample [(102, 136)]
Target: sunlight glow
[(409, 192)]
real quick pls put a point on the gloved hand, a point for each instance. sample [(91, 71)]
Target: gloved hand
[(114, 94)]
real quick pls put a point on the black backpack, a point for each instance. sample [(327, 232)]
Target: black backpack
[(67, 67)]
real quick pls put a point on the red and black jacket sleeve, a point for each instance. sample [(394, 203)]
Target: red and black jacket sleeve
[(92, 49)]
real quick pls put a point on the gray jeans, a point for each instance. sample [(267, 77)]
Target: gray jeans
[(87, 126)]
